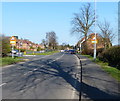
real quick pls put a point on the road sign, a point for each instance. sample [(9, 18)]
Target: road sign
[(13, 40), (94, 41), (13, 43)]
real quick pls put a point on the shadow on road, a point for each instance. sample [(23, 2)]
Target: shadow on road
[(56, 69), (91, 92)]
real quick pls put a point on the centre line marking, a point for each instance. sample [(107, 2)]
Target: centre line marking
[(35, 69), (2, 84), (27, 73), (78, 62), (56, 59)]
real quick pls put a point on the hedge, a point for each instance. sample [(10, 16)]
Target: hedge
[(91, 52), (112, 56)]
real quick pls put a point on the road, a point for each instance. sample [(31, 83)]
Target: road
[(44, 77), (57, 77)]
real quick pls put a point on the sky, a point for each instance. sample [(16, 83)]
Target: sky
[(31, 20)]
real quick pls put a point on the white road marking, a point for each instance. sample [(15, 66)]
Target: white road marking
[(53, 60), (46, 56), (78, 66), (73, 93), (56, 59), (28, 72), (42, 66), (2, 84), (8, 66), (30, 64), (29, 55), (42, 57), (25, 62), (83, 59), (21, 62), (59, 57), (35, 69), (78, 62)]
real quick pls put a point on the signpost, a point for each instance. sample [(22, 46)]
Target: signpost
[(95, 32), (80, 48), (94, 40), (13, 43)]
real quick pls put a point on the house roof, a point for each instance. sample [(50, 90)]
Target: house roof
[(89, 37)]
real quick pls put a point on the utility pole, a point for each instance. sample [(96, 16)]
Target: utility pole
[(19, 46), (119, 23), (95, 31), (12, 51), (80, 48), (13, 43)]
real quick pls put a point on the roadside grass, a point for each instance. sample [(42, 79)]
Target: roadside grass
[(9, 60), (114, 72), (45, 53)]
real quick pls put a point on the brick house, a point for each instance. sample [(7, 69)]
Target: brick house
[(90, 45), (27, 45)]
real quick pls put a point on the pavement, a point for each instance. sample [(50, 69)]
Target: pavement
[(97, 84), (58, 77)]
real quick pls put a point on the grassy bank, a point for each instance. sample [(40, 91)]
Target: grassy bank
[(9, 60), (115, 73), (45, 53)]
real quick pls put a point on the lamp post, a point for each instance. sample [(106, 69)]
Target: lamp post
[(95, 32), (80, 48), (12, 51), (13, 43), (19, 46)]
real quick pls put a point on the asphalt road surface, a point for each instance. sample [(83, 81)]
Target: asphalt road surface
[(44, 77), (57, 77)]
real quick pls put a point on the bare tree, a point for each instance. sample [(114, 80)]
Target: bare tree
[(44, 42), (106, 33), (83, 20), (51, 39)]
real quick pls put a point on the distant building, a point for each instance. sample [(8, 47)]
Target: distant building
[(90, 45), (27, 45)]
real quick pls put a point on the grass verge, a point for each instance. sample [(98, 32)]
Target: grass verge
[(9, 60), (45, 53), (114, 72)]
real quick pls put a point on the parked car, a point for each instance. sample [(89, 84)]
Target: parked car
[(42, 51), (66, 51), (72, 51), (61, 50), (16, 53), (19, 54)]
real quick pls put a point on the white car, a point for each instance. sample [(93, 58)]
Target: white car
[(61, 50), (14, 51), (17, 53)]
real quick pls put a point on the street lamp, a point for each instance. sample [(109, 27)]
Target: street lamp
[(80, 48), (95, 32)]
